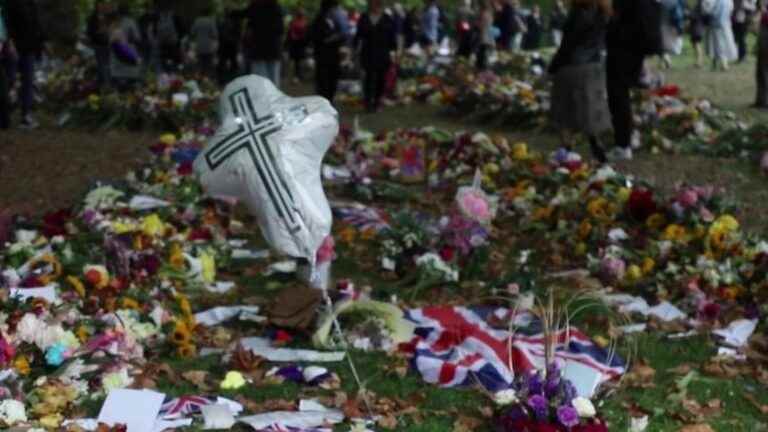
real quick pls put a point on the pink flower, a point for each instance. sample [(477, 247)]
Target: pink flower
[(688, 198), (326, 251), (706, 215), (614, 268), (475, 206)]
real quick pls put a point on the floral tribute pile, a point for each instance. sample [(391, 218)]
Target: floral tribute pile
[(164, 102)]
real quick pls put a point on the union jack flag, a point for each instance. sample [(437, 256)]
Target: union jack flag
[(456, 346), (184, 406), (362, 217)]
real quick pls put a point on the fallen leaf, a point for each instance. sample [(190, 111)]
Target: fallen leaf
[(199, 378)]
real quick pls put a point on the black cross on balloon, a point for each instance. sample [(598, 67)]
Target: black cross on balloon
[(251, 136)]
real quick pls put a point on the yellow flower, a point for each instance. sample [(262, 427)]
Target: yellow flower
[(129, 303), (51, 421), (491, 168), (348, 234), (634, 273), (77, 285), (600, 209), (184, 305), (656, 221), (21, 364), (520, 151), (176, 258), (585, 228), (82, 333), (676, 233), (181, 333), (47, 260), (123, 227), (209, 267), (153, 226), (724, 224), (233, 381), (623, 195), (186, 351), (581, 249), (648, 265), (168, 139)]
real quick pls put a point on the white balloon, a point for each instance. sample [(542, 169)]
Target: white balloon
[(268, 152)]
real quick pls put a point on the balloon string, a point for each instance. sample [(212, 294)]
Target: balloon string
[(352, 367)]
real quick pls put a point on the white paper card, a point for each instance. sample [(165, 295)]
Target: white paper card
[(584, 378), (218, 315), (144, 202), (47, 293), (293, 419), (737, 333), (263, 348), (217, 417), (137, 409)]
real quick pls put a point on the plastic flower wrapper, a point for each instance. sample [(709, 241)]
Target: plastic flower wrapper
[(12, 412), (474, 204), (390, 320)]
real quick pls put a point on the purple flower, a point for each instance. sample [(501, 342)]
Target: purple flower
[(569, 392), (568, 416), (535, 384), (540, 405), (552, 386)]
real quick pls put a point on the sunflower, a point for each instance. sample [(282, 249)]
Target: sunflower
[(176, 258), (184, 305), (181, 334), (54, 270), (82, 333), (186, 350), (648, 265)]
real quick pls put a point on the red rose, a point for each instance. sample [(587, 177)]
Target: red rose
[(641, 204), (447, 253), (54, 223), (185, 168)]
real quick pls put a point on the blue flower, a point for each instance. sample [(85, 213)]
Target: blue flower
[(56, 354)]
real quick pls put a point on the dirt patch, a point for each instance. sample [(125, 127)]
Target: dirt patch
[(51, 168)]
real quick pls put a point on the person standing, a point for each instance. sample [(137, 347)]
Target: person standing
[(557, 19), (672, 21), (634, 31), (376, 42), (5, 103), (98, 35), (761, 100), (264, 35), (696, 31), (535, 27), (465, 34), (170, 33), (485, 35), (125, 63), (327, 39), (430, 26), (743, 10), (230, 35), (721, 46), (579, 92), (298, 39), (205, 33), (517, 26), (25, 32), (148, 45)]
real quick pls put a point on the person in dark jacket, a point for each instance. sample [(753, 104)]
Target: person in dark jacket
[(298, 39), (5, 103), (634, 32), (264, 35), (327, 39), (557, 19), (579, 101), (230, 35), (98, 36), (535, 27), (147, 30), (24, 30), (376, 41), (170, 31)]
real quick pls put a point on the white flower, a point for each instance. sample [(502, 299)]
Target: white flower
[(505, 397), (12, 412), (638, 424), (116, 380), (584, 407)]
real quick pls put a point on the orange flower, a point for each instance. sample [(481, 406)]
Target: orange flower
[(181, 333), (176, 258), (77, 285), (22, 365), (45, 261), (585, 229)]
